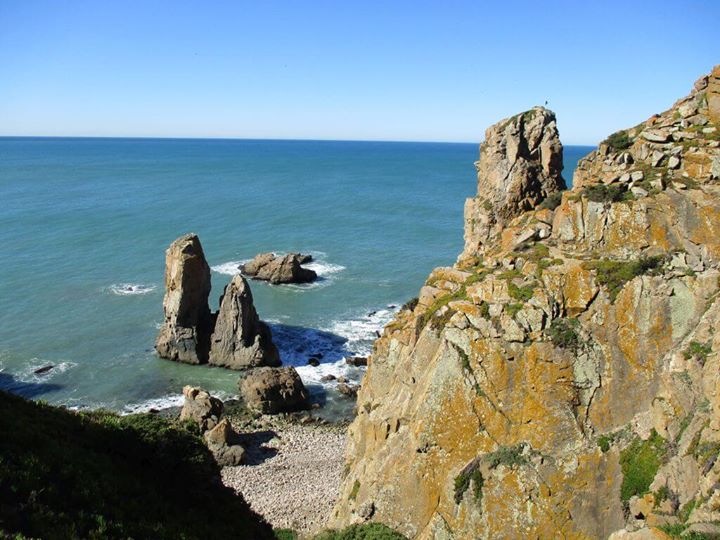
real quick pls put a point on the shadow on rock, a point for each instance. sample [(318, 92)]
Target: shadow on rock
[(298, 345)]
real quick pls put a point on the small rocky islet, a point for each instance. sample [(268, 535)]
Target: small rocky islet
[(560, 380)]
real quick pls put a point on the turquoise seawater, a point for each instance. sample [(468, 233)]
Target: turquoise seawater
[(81, 220)]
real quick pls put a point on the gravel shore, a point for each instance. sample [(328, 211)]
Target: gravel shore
[(292, 472)]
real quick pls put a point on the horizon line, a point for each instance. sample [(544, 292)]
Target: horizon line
[(278, 139)]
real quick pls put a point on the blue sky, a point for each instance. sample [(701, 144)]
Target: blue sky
[(438, 71)]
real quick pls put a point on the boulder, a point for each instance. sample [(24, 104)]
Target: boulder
[(272, 390), (222, 441), (347, 390), (357, 361), (280, 269), (200, 407), (713, 95), (185, 333), (240, 339)]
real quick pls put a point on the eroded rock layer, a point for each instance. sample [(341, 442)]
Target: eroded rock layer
[(562, 379)]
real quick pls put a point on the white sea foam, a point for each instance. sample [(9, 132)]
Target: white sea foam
[(324, 269), (361, 332), (27, 373), (229, 268), (164, 402), (130, 289)]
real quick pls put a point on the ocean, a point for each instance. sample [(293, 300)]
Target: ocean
[(83, 220)]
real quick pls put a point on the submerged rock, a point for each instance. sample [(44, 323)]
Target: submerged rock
[(185, 333), (200, 407), (240, 339), (280, 269), (273, 390)]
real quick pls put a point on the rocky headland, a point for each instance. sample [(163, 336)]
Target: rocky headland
[(561, 379)]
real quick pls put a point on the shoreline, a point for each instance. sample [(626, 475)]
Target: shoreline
[(293, 469)]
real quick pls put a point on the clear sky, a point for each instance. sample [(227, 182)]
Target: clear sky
[(344, 69)]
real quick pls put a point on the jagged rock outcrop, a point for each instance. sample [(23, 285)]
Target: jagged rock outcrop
[(520, 165), (273, 390), (280, 268), (224, 444), (185, 333), (562, 380), (240, 339), (200, 407), (235, 337)]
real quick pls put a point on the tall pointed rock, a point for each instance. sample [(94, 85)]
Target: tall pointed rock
[(185, 333), (241, 340), (520, 165)]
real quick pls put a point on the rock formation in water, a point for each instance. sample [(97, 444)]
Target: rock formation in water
[(273, 390), (562, 380), (240, 339), (234, 337), (185, 333), (280, 268)]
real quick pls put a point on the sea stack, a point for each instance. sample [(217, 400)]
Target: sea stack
[(241, 340), (185, 334), (235, 337), (280, 268), (520, 165)]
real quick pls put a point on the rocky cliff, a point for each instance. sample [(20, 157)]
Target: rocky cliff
[(561, 379)]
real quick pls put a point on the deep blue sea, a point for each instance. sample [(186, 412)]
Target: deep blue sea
[(83, 220)]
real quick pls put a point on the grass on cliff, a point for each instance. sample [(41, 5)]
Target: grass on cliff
[(366, 531), (563, 334), (98, 475), (619, 140), (613, 275), (640, 462)]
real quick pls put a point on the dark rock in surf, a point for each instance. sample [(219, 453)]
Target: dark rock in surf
[(280, 269)]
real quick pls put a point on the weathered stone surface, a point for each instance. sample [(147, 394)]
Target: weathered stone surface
[(224, 444), (280, 269), (273, 390), (185, 333), (240, 339), (520, 165), (538, 371), (200, 407), (713, 95)]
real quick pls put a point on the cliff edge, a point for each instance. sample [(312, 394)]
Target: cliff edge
[(561, 379)]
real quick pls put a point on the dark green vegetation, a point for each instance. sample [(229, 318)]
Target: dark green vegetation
[(699, 351), (614, 274), (285, 534), (367, 531), (552, 201), (355, 489), (640, 462), (462, 482), (619, 140), (99, 475), (563, 334), (601, 193), (410, 304), (509, 456)]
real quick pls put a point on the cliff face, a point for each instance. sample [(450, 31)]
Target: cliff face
[(561, 380)]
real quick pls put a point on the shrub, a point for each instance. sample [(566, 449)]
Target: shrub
[(98, 475), (512, 309), (601, 193), (354, 490), (552, 201), (507, 455), (619, 140), (563, 334), (410, 304), (640, 462), (367, 531), (614, 274), (285, 534), (604, 442), (462, 483), (699, 351), (523, 294)]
